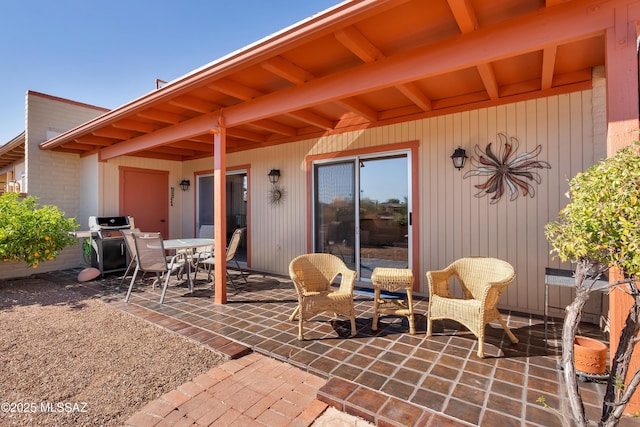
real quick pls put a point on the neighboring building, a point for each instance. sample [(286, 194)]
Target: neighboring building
[(53, 178), (12, 168)]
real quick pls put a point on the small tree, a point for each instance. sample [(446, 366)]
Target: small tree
[(597, 230), (31, 233)]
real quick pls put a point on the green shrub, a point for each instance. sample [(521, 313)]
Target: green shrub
[(602, 221), (32, 233), (597, 230)]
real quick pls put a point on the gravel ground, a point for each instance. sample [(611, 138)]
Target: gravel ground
[(68, 359)]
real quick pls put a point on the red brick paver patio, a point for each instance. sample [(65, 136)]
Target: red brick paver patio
[(386, 377)]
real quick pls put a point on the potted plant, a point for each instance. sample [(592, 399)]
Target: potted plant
[(598, 230)]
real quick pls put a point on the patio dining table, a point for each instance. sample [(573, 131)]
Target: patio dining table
[(188, 245)]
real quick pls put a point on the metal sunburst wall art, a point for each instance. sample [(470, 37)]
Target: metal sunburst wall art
[(506, 169), (276, 194)]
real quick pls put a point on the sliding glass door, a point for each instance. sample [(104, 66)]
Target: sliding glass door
[(371, 192), (236, 182)]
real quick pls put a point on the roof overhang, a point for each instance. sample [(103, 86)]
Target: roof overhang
[(362, 64), (12, 152)]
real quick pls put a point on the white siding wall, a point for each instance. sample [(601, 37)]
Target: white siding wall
[(89, 194), (453, 222)]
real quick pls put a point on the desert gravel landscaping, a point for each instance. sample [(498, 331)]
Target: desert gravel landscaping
[(67, 358)]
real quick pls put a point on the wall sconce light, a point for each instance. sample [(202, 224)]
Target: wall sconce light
[(184, 184), (274, 176), (459, 157)]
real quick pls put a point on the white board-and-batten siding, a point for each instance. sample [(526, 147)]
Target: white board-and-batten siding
[(454, 223)]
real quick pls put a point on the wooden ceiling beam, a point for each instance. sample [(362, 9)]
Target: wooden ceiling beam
[(467, 21), (520, 88), (205, 139), (245, 134), (275, 127), (287, 70), (510, 38), (489, 79), (11, 156), (464, 15), (296, 75), (360, 108), (193, 104), (170, 149), (358, 44), (193, 146), (135, 125), (62, 149), (237, 90), (78, 146), (95, 141), (411, 91), (548, 65), (158, 156), (189, 128), (161, 116), (572, 77), (111, 132), (312, 119)]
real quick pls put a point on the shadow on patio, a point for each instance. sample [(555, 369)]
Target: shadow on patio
[(441, 376)]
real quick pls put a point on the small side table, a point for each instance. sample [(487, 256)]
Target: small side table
[(565, 279), (392, 280)]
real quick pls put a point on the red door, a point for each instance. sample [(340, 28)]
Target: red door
[(144, 195)]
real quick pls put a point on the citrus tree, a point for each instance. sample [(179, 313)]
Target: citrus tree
[(32, 233), (600, 229)]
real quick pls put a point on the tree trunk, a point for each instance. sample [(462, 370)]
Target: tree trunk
[(571, 321), (616, 397)]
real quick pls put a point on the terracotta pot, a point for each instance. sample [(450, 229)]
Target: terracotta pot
[(589, 355)]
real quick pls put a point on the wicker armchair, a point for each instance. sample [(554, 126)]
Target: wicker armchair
[(313, 275), (483, 280)]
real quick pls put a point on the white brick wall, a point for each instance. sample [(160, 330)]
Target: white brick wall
[(53, 178)]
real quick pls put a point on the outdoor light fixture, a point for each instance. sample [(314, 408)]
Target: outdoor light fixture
[(274, 176), (459, 156), (184, 184)]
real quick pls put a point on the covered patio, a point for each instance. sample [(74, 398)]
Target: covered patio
[(378, 79), (371, 78), (387, 376)]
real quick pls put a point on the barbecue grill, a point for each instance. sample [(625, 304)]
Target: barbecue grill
[(109, 252)]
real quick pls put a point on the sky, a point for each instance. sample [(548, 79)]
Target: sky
[(107, 53)]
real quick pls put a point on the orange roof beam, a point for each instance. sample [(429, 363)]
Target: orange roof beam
[(287, 70), (548, 65), (206, 123), (517, 36), (360, 46), (194, 104), (468, 22), (313, 119)]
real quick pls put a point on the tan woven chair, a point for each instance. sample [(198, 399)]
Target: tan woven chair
[(483, 280), (313, 275)]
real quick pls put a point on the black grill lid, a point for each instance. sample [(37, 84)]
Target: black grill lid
[(107, 222)]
